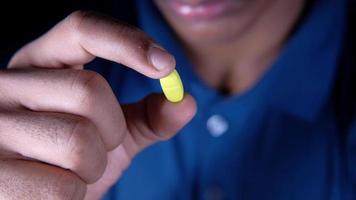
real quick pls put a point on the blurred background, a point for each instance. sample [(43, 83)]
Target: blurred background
[(22, 21)]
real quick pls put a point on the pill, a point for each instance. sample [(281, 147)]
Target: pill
[(172, 87)]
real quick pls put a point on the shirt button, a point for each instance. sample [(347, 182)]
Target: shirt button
[(214, 193), (217, 125)]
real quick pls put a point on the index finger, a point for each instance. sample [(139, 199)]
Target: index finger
[(84, 35)]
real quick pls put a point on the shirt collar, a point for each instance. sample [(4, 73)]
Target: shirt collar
[(301, 79)]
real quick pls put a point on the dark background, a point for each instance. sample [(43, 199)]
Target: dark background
[(23, 21)]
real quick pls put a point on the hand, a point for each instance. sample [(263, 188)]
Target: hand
[(63, 135)]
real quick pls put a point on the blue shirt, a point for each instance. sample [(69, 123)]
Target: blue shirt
[(279, 140)]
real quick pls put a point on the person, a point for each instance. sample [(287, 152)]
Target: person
[(268, 111)]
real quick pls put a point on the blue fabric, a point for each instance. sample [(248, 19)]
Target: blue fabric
[(283, 140)]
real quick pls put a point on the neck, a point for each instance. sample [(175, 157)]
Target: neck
[(237, 64)]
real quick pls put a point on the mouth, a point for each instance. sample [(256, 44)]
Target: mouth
[(203, 10)]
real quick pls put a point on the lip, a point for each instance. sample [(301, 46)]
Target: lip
[(204, 10)]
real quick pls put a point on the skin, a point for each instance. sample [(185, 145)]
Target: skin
[(63, 134)]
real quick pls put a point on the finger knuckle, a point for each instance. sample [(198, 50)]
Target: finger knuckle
[(80, 137), (78, 140), (69, 187), (84, 149), (77, 17), (88, 86)]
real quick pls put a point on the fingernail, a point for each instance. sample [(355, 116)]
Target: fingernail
[(160, 58)]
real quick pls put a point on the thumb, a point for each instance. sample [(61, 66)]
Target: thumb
[(154, 119)]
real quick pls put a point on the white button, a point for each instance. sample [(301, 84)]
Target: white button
[(217, 125)]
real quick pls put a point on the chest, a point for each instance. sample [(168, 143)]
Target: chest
[(245, 151)]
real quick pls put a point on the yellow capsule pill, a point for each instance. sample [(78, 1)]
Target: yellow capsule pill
[(172, 87)]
